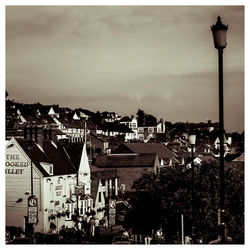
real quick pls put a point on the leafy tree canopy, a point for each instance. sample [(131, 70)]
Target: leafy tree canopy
[(161, 199)]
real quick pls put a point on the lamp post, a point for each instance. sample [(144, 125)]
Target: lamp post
[(219, 31), (30, 147), (192, 139)]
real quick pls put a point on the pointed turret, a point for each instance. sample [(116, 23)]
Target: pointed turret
[(84, 170)]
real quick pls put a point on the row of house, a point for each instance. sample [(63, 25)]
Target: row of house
[(72, 124), (63, 188)]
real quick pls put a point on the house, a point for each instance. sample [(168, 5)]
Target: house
[(149, 132), (132, 124), (54, 111), (146, 133), (113, 129), (80, 115), (161, 129), (166, 156), (104, 185), (110, 116), (55, 182), (74, 129), (227, 144), (97, 143), (129, 167)]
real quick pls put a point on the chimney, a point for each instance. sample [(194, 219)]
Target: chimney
[(30, 132), (162, 128), (45, 134), (36, 134), (25, 132), (50, 134)]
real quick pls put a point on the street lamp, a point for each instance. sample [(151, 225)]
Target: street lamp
[(192, 140), (219, 31), (30, 148)]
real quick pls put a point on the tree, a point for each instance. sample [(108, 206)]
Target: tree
[(140, 117), (170, 192), (145, 119), (150, 120)]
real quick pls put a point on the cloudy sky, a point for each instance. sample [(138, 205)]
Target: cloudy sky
[(121, 58)]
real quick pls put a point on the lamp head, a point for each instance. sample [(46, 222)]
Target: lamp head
[(219, 31)]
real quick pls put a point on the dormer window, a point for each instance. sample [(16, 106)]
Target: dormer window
[(51, 170), (48, 167)]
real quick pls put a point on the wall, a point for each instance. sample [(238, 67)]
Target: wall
[(18, 186)]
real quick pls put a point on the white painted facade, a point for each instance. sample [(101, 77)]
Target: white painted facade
[(56, 194), (73, 134)]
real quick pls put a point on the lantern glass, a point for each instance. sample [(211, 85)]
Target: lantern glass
[(192, 139), (220, 38), (219, 31)]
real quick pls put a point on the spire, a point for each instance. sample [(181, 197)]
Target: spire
[(84, 163)]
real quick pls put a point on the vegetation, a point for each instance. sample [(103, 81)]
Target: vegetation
[(161, 199), (145, 119)]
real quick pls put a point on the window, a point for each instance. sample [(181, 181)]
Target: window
[(69, 208), (150, 130), (103, 182), (141, 137), (91, 203), (81, 207), (141, 130), (133, 125), (51, 170), (100, 197)]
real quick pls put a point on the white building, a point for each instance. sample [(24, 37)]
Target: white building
[(54, 181)]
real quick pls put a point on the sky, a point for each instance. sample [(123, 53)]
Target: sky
[(120, 58)]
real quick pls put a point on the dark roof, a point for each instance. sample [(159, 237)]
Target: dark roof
[(116, 127), (62, 163), (101, 138), (125, 119), (100, 173), (71, 123), (35, 154), (208, 158), (145, 148), (45, 119), (56, 156), (30, 118), (145, 160)]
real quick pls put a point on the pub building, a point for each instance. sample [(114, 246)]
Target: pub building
[(45, 170)]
